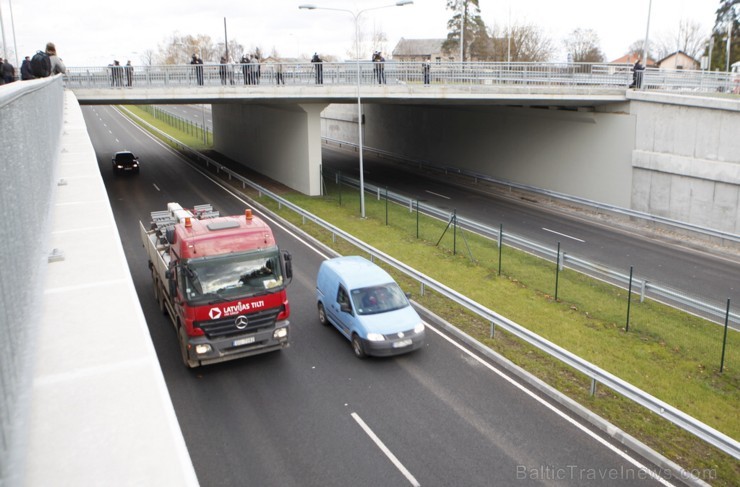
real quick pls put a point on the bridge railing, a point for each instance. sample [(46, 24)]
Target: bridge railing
[(346, 74), (563, 75)]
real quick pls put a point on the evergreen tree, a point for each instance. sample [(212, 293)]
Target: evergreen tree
[(466, 19), (728, 16)]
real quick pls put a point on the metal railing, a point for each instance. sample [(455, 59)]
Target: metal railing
[(472, 74), (596, 374)]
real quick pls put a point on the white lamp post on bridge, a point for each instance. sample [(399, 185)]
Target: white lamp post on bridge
[(356, 16)]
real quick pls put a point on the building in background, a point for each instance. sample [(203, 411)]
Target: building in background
[(679, 60), (418, 50)]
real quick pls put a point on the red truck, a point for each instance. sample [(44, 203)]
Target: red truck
[(222, 281)]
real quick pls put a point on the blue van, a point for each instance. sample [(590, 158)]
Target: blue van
[(367, 306)]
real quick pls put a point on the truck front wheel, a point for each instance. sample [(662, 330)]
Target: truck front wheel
[(183, 339)]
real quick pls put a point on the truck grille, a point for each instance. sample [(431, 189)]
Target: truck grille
[(226, 327)]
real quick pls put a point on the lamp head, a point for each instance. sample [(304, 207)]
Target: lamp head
[(401, 3), (307, 7)]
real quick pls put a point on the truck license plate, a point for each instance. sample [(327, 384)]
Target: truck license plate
[(402, 343), (243, 341)]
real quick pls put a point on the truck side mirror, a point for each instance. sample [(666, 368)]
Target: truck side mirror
[(288, 259)]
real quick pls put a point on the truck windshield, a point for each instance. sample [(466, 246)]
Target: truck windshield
[(378, 299), (233, 276)]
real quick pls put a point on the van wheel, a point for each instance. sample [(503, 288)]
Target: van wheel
[(183, 339), (322, 315), (357, 346)]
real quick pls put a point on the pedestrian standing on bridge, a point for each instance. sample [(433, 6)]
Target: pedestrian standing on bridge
[(197, 63), (116, 74), (379, 61), (255, 64), (26, 73), (223, 70), (7, 71), (250, 69), (637, 72), (279, 74), (244, 61), (318, 63), (426, 68), (129, 74)]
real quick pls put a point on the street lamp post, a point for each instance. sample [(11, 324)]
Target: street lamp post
[(647, 35), (356, 16), (729, 44)]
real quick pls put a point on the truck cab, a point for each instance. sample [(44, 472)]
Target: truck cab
[(222, 280)]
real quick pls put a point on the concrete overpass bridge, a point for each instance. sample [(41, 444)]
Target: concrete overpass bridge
[(570, 128), (293, 114), (656, 152)]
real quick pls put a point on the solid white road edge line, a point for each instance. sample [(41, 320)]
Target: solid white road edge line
[(385, 450)]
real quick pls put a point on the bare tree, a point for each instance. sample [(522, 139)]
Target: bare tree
[(687, 38), (524, 42), (379, 39), (583, 45), (636, 49), (179, 49), (235, 50), (376, 40), (147, 57)]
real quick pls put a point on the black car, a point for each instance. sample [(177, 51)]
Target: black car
[(125, 161)]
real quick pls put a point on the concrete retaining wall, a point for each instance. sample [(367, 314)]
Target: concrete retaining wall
[(667, 155), (686, 162), (282, 142), (587, 154)]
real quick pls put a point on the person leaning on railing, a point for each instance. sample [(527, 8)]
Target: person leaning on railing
[(57, 66)]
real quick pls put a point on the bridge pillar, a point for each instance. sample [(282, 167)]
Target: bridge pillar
[(282, 142)]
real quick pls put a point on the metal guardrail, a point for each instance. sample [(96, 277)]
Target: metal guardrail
[(597, 375), (480, 74), (648, 288)]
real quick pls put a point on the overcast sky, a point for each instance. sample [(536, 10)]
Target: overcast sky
[(95, 32)]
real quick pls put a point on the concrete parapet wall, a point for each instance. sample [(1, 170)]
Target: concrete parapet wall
[(83, 400), (31, 114)]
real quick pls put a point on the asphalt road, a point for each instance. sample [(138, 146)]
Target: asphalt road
[(313, 414)]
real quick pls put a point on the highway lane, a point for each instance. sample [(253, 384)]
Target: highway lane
[(690, 270), (707, 275), (296, 417)]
